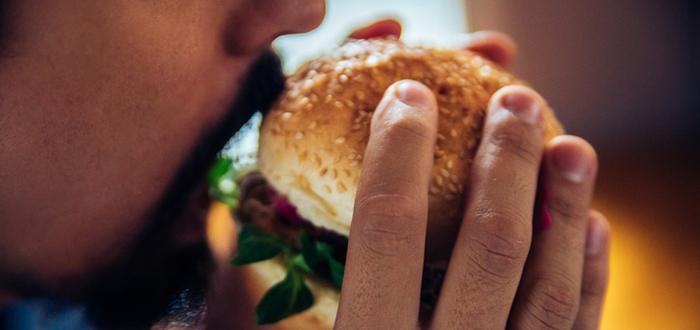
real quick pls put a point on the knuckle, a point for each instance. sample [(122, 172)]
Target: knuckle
[(554, 302), (392, 225), (502, 242), (514, 139), (569, 211), (408, 128)]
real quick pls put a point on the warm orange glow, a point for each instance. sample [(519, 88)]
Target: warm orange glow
[(220, 231), (652, 285)]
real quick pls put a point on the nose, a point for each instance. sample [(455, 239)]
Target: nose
[(259, 22)]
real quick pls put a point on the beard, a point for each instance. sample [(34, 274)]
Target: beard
[(156, 275)]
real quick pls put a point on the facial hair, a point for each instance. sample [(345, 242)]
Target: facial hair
[(137, 291)]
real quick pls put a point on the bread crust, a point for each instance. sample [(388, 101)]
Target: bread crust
[(312, 142)]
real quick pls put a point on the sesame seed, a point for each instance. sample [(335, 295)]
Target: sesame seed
[(351, 156), (444, 173), (328, 99), (327, 189), (340, 140), (434, 190), (439, 180), (334, 174), (304, 101), (286, 115), (360, 95), (341, 187), (313, 125), (452, 188), (346, 173), (453, 132), (299, 135), (372, 61), (354, 163), (441, 137), (323, 171), (451, 163), (343, 78), (338, 104), (356, 127)]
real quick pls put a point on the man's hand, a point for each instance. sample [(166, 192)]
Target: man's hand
[(502, 273)]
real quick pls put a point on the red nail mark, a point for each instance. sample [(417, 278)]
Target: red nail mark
[(542, 220)]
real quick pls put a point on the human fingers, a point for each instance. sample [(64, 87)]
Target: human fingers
[(595, 272), (383, 28), (496, 46), (494, 239), (550, 289), (382, 281)]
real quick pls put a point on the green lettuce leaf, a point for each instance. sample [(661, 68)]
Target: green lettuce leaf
[(285, 298), (255, 244)]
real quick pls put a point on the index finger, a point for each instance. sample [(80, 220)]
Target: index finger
[(381, 286)]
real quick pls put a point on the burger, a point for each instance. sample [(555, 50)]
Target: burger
[(296, 207)]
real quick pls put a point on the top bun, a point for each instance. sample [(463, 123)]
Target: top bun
[(313, 140)]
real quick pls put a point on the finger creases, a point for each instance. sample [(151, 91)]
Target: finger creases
[(494, 238), (550, 291), (387, 236)]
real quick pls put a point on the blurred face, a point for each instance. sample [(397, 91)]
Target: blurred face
[(110, 113)]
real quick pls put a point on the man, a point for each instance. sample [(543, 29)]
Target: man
[(112, 111)]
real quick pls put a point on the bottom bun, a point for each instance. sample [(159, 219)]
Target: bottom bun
[(259, 277)]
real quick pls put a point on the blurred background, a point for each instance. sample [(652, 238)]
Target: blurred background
[(623, 74)]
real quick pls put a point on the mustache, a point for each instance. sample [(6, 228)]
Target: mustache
[(262, 86)]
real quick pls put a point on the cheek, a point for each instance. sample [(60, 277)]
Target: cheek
[(119, 99)]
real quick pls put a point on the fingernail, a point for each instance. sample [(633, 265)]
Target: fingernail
[(414, 94), (572, 161), (594, 239), (522, 106)]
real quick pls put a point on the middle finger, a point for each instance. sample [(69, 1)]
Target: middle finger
[(494, 239)]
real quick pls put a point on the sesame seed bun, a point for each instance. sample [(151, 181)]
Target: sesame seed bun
[(313, 140)]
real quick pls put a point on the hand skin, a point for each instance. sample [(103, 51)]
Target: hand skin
[(502, 274)]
